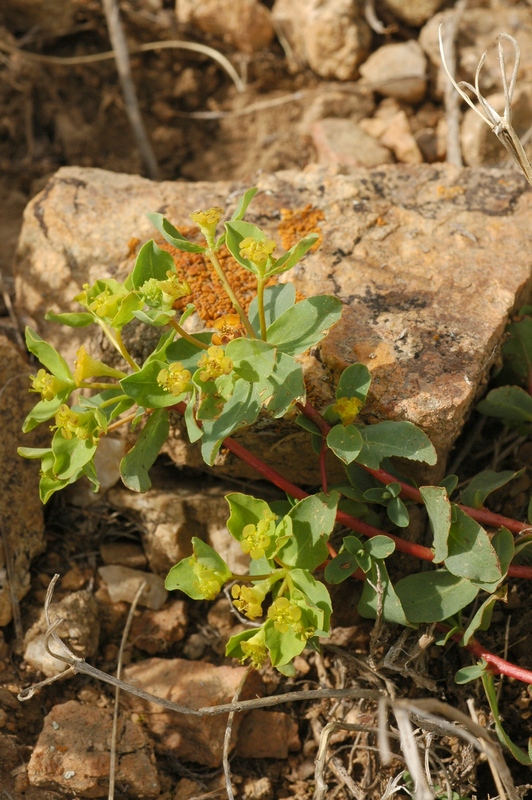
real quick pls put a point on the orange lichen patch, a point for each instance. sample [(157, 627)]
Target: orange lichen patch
[(299, 223), (448, 192), (207, 292)]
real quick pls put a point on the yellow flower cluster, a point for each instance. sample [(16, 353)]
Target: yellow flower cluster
[(255, 540), (208, 581), (347, 409), (284, 614), (104, 304), (48, 385), (257, 252), (248, 600), (255, 649), (71, 423), (214, 363), (175, 379), (207, 220), (227, 328)]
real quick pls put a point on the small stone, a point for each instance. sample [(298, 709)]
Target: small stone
[(331, 36), (124, 553), (80, 632), (342, 144), (415, 12), (156, 631), (194, 647), (194, 684), (398, 138), (123, 583), (244, 24), (72, 756), (73, 580), (397, 70), (267, 734), (257, 789)]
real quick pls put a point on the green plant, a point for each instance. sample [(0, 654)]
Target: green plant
[(221, 382)]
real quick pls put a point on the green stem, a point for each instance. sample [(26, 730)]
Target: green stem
[(123, 351), (252, 578), (261, 283), (113, 400), (213, 258), (188, 336), (85, 385)]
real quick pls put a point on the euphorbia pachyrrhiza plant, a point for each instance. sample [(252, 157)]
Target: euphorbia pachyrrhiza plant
[(221, 380)]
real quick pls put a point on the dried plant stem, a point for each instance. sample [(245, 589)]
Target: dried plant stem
[(123, 642), (451, 98), (227, 737), (123, 65)]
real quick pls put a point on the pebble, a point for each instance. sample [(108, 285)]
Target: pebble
[(123, 583), (414, 12), (244, 24), (397, 70)]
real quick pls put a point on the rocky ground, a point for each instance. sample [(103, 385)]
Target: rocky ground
[(338, 93)]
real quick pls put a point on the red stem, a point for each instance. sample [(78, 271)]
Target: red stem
[(498, 665)]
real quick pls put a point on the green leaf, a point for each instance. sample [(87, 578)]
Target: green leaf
[(378, 583), (235, 232), (517, 349), (304, 324), (504, 545), (482, 618), (48, 356), (173, 236), (471, 554), (313, 520), (74, 319), (491, 694), (315, 593), (154, 317), (244, 202), (46, 409), (152, 262), (510, 403), (253, 360), (283, 647), (184, 577), (187, 353), (379, 547), (341, 567), (246, 510), (440, 513), (70, 455), (354, 382), (292, 256), (483, 484), (159, 353), (398, 512), (129, 306), (386, 439), (345, 441), (286, 384), (142, 386), (240, 411), (434, 595), (277, 300), (450, 482), (468, 674), (136, 464)]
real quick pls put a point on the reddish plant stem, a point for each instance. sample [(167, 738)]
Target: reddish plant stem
[(481, 515), (497, 664), (323, 468)]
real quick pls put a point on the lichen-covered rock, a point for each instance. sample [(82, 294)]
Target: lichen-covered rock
[(415, 252)]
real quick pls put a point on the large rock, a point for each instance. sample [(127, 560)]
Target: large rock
[(419, 255), (195, 684)]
